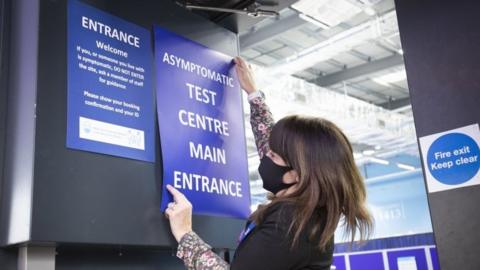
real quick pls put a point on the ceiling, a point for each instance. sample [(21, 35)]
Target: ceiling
[(355, 68), (352, 70), (346, 67), (338, 59), (237, 22)]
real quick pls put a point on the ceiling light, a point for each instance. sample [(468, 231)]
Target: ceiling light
[(379, 161), (368, 152), (400, 51), (370, 11), (405, 167), (357, 155), (391, 77), (312, 20), (329, 12)]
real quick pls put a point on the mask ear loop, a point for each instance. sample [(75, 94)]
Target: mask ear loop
[(270, 155)]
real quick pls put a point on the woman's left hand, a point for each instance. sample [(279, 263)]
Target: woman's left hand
[(179, 213)]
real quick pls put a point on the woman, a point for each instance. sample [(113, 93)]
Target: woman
[(308, 166)]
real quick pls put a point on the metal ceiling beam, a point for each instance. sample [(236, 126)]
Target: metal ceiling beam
[(395, 104), (368, 92), (359, 71), (293, 45), (365, 91), (360, 55), (391, 86), (272, 53), (320, 38), (270, 31)]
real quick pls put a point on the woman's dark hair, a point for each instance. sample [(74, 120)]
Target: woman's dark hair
[(330, 186)]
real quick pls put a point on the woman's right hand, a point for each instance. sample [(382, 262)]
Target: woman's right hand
[(245, 75), (179, 213)]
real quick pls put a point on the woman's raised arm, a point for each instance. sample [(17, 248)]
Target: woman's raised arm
[(261, 118)]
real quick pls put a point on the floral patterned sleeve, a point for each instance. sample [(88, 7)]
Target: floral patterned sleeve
[(261, 120), (198, 255)]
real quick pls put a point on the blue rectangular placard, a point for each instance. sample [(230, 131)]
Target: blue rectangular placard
[(367, 261), (201, 126), (110, 95), (339, 263), (434, 257), (407, 259)]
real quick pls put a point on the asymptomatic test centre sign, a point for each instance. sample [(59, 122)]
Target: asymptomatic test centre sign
[(201, 126), (452, 158)]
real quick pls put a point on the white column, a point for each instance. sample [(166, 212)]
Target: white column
[(36, 258)]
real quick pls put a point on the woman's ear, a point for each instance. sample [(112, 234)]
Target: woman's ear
[(291, 177), (297, 179)]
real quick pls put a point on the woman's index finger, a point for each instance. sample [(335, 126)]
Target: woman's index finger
[(240, 62), (177, 195)]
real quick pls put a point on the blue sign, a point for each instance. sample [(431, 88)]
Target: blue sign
[(453, 158), (110, 94), (201, 126), (367, 261), (407, 259), (339, 263), (434, 256)]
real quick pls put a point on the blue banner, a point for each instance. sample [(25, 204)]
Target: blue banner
[(110, 94), (201, 125)]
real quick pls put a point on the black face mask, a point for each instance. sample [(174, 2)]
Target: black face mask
[(272, 175)]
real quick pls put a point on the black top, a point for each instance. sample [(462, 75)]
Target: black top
[(268, 247)]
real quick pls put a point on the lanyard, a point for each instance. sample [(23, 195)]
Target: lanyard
[(248, 229)]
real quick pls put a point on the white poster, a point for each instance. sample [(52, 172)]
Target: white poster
[(407, 263)]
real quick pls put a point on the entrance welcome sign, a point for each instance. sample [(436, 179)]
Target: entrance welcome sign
[(110, 94), (201, 127)]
